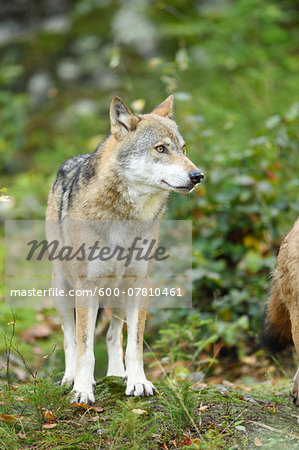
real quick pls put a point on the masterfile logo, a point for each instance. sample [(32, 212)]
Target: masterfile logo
[(100, 253)]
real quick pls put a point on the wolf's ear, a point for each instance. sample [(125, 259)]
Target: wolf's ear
[(121, 118), (165, 109)]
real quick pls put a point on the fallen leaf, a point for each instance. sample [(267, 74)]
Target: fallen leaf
[(50, 425), (186, 441), (93, 419), (81, 405), (96, 409), (8, 418), (139, 411), (49, 416), (258, 442), (22, 435), (203, 408)]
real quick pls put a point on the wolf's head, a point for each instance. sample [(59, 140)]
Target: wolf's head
[(151, 150)]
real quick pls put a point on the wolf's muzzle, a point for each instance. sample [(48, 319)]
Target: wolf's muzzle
[(196, 176)]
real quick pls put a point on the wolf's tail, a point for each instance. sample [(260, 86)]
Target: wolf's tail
[(276, 334)]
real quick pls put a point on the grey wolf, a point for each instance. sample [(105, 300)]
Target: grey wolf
[(280, 327), (128, 178)]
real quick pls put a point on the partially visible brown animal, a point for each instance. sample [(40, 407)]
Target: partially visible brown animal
[(280, 326)]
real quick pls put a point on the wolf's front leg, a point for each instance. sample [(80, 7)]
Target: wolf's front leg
[(294, 315), (83, 391), (137, 384)]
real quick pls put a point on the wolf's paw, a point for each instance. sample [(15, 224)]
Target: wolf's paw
[(295, 392), (86, 397), (67, 380), (295, 396), (142, 388), (295, 389)]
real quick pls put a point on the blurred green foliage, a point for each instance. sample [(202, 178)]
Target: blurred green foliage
[(233, 68)]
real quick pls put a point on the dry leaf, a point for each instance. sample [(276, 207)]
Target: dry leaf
[(49, 416), (50, 425), (8, 418), (258, 442), (96, 409), (139, 411), (203, 408), (80, 405), (22, 435), (186, 441), (93, 419)]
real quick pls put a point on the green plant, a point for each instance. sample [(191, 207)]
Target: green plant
[(179, 405)]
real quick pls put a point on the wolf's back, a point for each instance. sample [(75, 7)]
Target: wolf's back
[(71, 175)]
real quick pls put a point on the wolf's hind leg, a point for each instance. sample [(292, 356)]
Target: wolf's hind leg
[(294, 314), (114, 343), (65, 307), (295, 389)]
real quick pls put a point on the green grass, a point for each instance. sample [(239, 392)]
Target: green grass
[(201, 416)]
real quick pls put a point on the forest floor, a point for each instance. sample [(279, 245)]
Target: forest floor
[(204, 416)]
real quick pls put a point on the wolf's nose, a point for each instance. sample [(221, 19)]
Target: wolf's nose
[(196, 176)]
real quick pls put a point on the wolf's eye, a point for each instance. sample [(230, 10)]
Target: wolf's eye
[(161, 148), (184, 149)]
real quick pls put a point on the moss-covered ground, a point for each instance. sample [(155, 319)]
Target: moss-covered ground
[(39, 415)]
